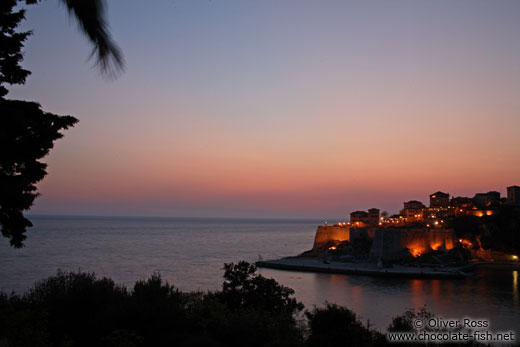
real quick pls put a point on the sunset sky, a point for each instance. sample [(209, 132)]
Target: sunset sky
[(279, 108)]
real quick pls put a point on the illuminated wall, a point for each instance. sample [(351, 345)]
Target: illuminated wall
[(327, 234), (390, 242)]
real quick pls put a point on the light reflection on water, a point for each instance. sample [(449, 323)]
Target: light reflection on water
[(515, 287), (379, 299), (190, 254)]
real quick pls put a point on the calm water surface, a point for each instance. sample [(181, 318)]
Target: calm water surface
[(190, 253)]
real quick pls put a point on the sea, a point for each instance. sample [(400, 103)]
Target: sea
[(190, 253)]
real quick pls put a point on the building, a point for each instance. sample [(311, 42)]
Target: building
[(461, 205), (373, 217), (487, 199), (359, 218), (413, 205), (363, 219), (439, 199), (461, 202), (513, 195), (413, 210)]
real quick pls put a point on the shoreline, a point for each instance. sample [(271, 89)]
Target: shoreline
[(362, 269)]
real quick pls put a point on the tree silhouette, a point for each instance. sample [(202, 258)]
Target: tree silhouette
[(245, 288), (27, 133)]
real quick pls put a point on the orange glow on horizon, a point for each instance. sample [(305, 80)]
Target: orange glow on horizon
[(262, 127)]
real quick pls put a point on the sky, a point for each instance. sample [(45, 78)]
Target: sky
[(278, 108)]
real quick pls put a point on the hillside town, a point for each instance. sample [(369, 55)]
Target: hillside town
[(447, 239), (419, 229)]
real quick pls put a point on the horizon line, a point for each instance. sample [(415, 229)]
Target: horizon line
[(31, 215)]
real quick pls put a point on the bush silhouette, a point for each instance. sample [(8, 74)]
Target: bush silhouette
[(336, 325), (79, 309)]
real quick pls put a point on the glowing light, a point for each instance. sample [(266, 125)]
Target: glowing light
[(489, 213), (466, 244), (515, 286), (515, 257), (436, 246), (333, 247)]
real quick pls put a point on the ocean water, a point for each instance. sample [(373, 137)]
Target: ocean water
[(190, 253)]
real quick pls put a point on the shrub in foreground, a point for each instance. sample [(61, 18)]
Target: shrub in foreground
[(335, 325), (78, 309)]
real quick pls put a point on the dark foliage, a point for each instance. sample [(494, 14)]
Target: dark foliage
[(155, 312), (27, 133), (335, 325), (260, 308), (405, 321), (90, 16), (11, 44), (21, 324), (78, 309), (499, 232), (244, 288), (465, 226)]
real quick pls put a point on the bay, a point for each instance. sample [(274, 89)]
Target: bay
[(190, 252)]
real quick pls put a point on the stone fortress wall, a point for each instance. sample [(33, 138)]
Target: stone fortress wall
[(331, 234), (388, 241)]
